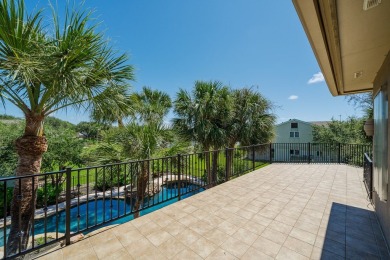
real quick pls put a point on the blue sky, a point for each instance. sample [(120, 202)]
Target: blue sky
[(244, 43)]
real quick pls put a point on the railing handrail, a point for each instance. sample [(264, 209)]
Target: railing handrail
[(367, 156), (169, 170), (8, 178)]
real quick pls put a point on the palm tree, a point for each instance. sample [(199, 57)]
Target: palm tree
[(202, 116), (146, 132), (151, 106), (252, 121), (110, 110), (41, 73)]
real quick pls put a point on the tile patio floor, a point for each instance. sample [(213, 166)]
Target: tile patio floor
[(282, 211)]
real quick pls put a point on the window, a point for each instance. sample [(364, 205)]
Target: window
[(294, 134), (380, 144), (294, 152), (294, 125)]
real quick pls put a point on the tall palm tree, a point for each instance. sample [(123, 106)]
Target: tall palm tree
[(41, 73), (146, 132), (252, 121), (115, 109), (203, 115), (151, 106)]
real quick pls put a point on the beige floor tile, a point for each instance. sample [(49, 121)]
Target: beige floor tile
[(235, 247), (158, 237), (245, 236), (153, 253), (171, 247), (175, 228), (187, 237), (286, 220), (118, 255), (288, 254), (104, 249), (85, 255), (128, 237), (261, 220), (188, 220), (101, 237), (298, 246), (201, 227), (139, 247), (187, 254), (138, 222), (281, 227), (148, 228), (303, 235), (203, 247), (254, 254), (220, 253), (216, 236), (245, 214), (79, 248), (307, 226), (273, 235), (266, 246), (254, 227), (228, 227), (57, 254)]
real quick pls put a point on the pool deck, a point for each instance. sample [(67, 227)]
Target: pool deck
[(282, 211)]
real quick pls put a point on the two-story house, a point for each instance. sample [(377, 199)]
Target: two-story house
[(293, 141), (290, 140)]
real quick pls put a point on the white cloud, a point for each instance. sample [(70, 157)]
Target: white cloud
[(318, 77), (293, 97)]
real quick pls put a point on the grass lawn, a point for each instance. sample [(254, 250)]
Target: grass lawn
[(193, 165)]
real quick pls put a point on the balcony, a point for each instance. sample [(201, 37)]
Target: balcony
[(282, 211)]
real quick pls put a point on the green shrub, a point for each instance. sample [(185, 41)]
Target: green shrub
[(112, 177), (9, 199), (49, 194)]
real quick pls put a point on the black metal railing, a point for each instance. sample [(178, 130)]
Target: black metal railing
[(367, 174), (74, 201), (351, 154)]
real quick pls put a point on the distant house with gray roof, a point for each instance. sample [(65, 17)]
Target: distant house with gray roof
[(291, 142)]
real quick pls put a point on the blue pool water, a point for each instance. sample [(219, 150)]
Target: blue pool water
[(99, 211)]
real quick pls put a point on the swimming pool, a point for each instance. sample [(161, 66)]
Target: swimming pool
[(102, 210)]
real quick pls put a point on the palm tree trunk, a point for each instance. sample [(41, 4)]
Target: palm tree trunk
[(230, 158), (142, 182), (208, 167), (215, 167), (30, 148)]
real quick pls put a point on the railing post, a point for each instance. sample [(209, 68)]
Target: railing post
[(339, 154), (270, 152), (308, 149), (253, 158), (178, 176), (227, 164), (67, 207)]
